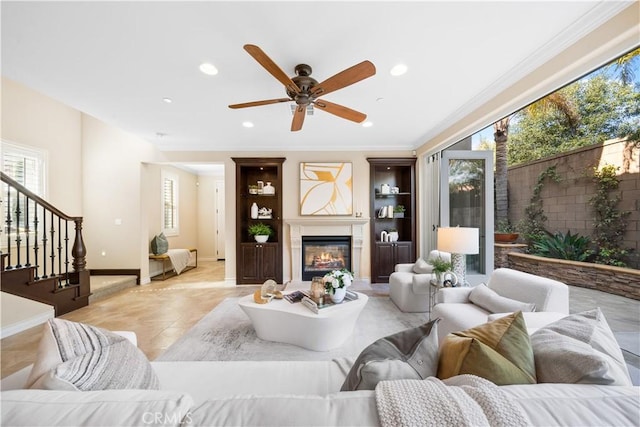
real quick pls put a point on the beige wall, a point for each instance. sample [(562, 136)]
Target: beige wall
[(112, 168), (34, 120)]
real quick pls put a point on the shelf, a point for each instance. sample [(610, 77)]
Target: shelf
[(396, 173), (386, 196)]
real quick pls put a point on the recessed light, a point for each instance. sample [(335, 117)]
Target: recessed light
[(167, 100), (398, 70), (367, 124), (247, 124), (208, 69)]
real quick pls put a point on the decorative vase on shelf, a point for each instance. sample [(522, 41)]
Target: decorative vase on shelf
[(338, 295), (268, 189), (254, 211), (393, 236)]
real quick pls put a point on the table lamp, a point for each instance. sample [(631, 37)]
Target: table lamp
[(459, 241)]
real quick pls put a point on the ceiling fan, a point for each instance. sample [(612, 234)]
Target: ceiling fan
[(304, 90)]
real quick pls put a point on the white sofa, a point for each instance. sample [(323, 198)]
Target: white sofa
[(457, 312), (279, 394), (409, 283)]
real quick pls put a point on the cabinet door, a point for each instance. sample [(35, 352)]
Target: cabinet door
[(385, 262), (404, 253), (249, 265), (269, 258)]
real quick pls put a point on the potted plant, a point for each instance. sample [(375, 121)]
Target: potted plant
[(440, 267), (398, 211), (393, 235), (336, 283), (505, 232), (260, 232)]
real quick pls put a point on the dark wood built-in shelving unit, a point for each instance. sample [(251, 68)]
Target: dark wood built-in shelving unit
[(396, 172), (257, 262)]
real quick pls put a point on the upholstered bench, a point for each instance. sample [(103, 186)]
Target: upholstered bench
[(167, 264)]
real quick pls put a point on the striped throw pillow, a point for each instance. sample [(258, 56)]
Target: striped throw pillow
[(77, 356)]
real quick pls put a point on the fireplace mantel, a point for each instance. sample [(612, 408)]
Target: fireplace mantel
[(325, 226), (326, 222)]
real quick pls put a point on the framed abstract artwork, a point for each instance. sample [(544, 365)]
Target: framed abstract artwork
[(326, 188)]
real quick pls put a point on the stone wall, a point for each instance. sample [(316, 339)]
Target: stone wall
[(566, 204), (614, 280)]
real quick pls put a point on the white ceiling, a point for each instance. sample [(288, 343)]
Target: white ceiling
[(117, 61)]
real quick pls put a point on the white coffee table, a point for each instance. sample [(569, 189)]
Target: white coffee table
[(293, 323)]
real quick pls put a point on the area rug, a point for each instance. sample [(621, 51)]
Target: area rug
[(226, 333)]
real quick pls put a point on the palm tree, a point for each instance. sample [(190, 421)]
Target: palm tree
[(625, 66), (500, 137), (557, 101)]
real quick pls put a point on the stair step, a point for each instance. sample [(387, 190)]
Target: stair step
[(106, 286)]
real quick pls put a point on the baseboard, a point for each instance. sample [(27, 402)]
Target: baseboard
[(117, 272), (23, 325)]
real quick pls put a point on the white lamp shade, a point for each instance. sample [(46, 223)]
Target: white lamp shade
[(459, 240)]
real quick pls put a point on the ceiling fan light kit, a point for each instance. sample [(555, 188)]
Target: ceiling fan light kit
[(304, 90)]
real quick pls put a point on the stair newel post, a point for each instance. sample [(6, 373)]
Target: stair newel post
[(79, 251)]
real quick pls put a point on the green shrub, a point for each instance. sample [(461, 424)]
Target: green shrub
[(563, 246)]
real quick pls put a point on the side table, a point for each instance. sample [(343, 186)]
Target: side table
[(433, 289)]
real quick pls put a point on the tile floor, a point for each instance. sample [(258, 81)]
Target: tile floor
[(160, 312)]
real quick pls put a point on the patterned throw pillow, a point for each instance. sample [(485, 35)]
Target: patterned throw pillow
[(159, 244), (499, 351), (76, 356), (410, 354), (579, 349)]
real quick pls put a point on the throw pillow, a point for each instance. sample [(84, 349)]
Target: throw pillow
[(159, 244), (410, 354), (579, 349), (499, 351), (422, 267), (487, 298), (76, 356)]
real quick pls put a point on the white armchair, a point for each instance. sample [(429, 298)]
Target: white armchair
[(409, 284), (542, 301)]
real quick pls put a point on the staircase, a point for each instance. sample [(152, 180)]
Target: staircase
[(36, 253)]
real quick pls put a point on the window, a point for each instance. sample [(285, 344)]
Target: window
[(27, 166), (170, 205)]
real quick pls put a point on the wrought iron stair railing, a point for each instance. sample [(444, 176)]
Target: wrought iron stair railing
[(36, 235)]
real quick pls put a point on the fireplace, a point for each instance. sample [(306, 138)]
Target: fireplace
[(321, 254)]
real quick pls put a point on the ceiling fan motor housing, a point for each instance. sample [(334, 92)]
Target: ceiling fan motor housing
[(305, 83)]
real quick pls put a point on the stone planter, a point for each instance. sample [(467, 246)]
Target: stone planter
[(614, 280)]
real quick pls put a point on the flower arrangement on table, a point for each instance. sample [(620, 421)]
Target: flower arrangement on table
[(337, 279)]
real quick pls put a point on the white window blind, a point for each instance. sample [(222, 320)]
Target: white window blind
[(170, 208), (26, 166)]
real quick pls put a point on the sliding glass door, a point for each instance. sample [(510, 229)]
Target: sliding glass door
[(466, 200)]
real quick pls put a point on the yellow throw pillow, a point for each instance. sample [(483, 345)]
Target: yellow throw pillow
[(499, 351)]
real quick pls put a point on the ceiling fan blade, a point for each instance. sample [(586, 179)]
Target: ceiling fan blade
[(258, 103), (340, 111), (344, 78), (273, 69), (298, 118)]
